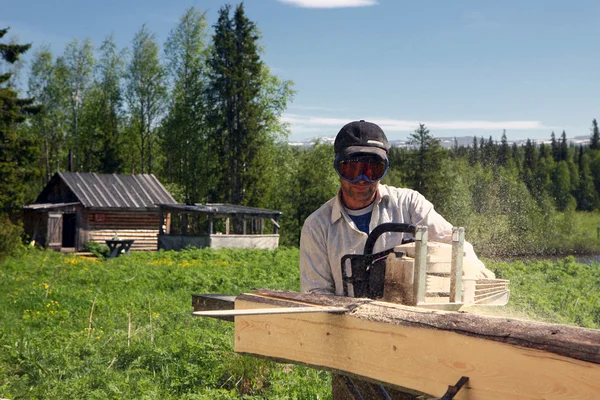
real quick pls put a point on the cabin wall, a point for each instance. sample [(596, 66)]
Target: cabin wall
[(218, 241), (139, 226), (244, 241)]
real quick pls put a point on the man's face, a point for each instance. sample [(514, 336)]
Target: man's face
[(358, 194)]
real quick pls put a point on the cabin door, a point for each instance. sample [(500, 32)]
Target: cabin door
[(69, 229), (55, 231)]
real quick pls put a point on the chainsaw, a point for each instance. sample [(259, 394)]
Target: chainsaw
[(419, 273)]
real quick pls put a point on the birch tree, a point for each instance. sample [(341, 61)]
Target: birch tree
[(76, 67), (145, 92), (184, 130), (50, 126)]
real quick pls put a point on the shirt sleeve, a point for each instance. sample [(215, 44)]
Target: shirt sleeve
[(422, 213), (315, 271)]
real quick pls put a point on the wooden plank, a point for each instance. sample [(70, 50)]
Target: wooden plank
[(265, 311), (427, 350)]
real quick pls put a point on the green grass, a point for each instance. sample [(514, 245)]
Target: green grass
[(562, 291), (49, 351)]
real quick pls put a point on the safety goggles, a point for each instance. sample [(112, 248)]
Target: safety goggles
[(361, 169)]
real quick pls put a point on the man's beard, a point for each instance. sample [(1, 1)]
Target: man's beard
[(349, 190)]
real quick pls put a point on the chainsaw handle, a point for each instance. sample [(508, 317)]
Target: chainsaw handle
[(384, 228)]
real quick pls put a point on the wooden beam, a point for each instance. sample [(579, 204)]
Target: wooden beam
[(205, 302), (425, 350)]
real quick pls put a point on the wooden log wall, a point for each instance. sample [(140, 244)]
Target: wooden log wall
[(142, 227)]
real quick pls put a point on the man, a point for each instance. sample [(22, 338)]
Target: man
[(341, 225)]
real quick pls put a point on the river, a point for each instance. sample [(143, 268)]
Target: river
[(588, 260)]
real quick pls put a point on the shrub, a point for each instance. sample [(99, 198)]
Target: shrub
[(10, 236), (97, 249)]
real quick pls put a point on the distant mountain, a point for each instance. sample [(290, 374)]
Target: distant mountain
[(446, 142)]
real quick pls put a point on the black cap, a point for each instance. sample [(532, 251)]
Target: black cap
[(361, 138)]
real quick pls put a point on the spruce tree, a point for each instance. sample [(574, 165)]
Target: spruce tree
[(474, 158), (245, 102), (554, 147), (564, 147), (427, 163), (595, 140), (531, 155), (530, 167), (587, 196), (544, 150), (18, 155), (489, 152), (504, 153)]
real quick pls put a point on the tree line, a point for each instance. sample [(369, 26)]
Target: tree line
[(513, 199), (201, 112), (203, 115)]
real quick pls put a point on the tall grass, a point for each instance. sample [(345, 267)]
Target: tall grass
[(80, 328), (561, 291), (142, 341)]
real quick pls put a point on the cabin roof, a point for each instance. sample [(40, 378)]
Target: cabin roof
[(221, 209), (110, 190)]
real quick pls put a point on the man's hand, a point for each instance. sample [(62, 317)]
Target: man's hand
[(474, 268)]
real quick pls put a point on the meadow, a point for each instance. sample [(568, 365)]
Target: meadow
[(85, 328)]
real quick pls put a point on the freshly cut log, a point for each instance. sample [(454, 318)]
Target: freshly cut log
[(425, 350)]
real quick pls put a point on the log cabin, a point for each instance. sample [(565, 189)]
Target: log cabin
[(75, 208)]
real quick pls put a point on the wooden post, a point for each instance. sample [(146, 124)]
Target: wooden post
[(458, 240), (82, 232), (210, 226), (185, 224), (420, 274), (227, 226), (161, 231)]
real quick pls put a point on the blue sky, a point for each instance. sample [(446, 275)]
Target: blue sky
[(462, 67)]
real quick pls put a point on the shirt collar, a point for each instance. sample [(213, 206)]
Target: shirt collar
[(338, 206)]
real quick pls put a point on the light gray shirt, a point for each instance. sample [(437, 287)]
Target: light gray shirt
[(329, 233)]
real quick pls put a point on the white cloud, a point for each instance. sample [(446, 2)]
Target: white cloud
[(329, 3), (302, 124)]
